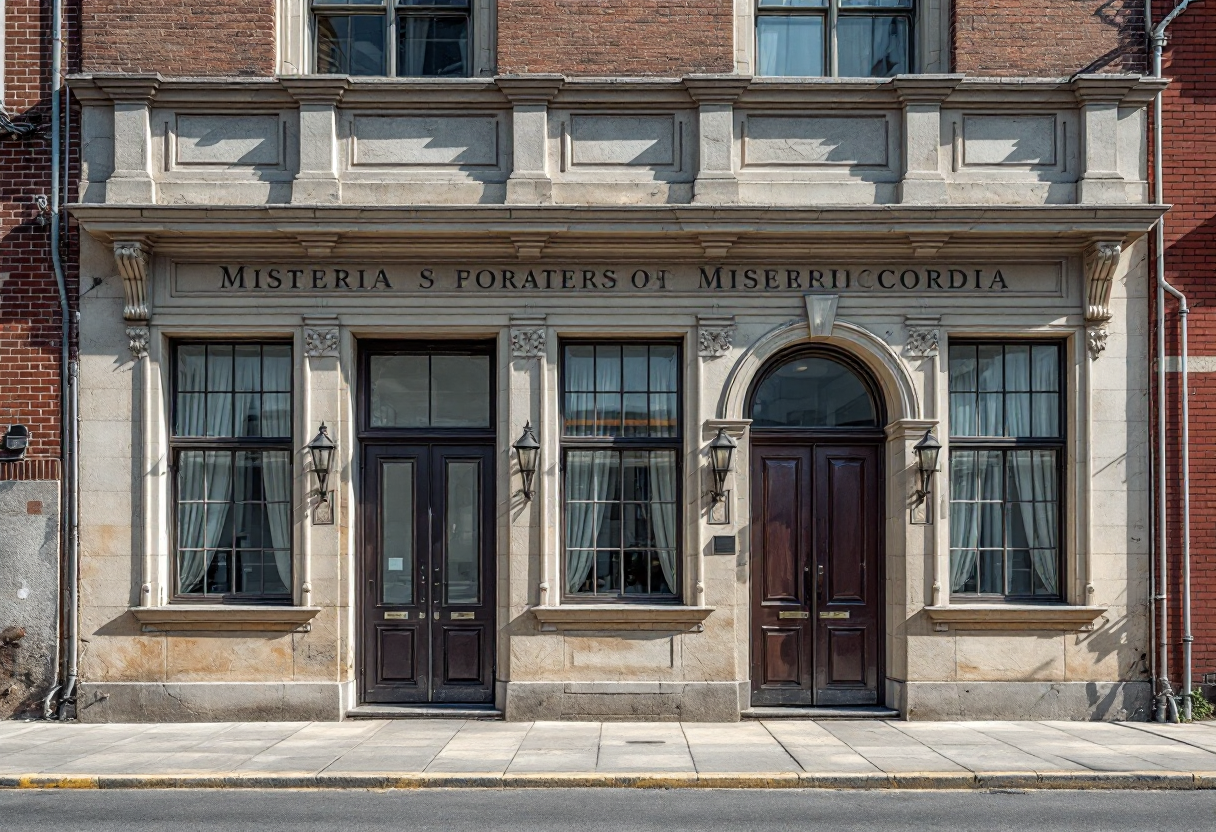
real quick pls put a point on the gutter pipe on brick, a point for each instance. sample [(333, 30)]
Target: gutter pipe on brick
[(1167, 703), (67, 386)]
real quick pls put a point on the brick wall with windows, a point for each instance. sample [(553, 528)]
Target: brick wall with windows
[(1056, 38), (1189, 182), (178, 37), (608, 37)]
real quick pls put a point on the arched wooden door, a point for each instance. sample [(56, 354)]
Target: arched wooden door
[(816, 566)]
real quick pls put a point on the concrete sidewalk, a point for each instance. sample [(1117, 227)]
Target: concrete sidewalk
[(458, 753)]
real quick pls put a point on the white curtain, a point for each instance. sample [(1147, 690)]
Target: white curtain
[(219, 405), (580, 518), (191, 375), (790, 46), (191, 519), (219, 497), (276, 476), (248, 398), (662, 473), (964, 526)]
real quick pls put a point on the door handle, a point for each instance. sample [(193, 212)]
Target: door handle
[(819, 581)]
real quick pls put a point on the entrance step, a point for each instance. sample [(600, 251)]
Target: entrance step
[(843, 712), (481, 712)]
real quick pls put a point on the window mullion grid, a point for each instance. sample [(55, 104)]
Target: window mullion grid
[(392, 47), (833, 65)]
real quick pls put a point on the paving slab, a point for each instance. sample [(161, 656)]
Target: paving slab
[(816, 749), (736, 747), (480, 747), (640, 747)]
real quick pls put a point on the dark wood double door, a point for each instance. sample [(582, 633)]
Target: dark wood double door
[(428, 569), (815, 575)]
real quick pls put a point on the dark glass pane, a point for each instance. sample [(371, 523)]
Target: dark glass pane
[(580, 571), (219, 415), (249, 572), (962, 369), (964, 575), (218, 573), (580, 368), (790, 45), (351, 44), (1017, 367), (277, 564), (663, 415), (663, 369), (219, 368), (636, 372), (190, 475), (191, 416), (639, 533), (1017, 414), (637, 415), (991, 368), (635, 476), (990, 407), (248, 360), (276, 415), (607, 414), (460, 391), (872, 47), (817, 4), (191, 368), (276, 369), (191, 566), (247, 413), (190, 518), (813, 392), (580, 414), (878, 4), (250, 525), (400, 391), (607, 525), (248, 486), (992, 577), (607, 369), (1045, 368), (662, 564), (607, 572), (962, 414), (1046, 407), (636, 573), (433, 46), (462, 533), (451, 3), (1019, 572)]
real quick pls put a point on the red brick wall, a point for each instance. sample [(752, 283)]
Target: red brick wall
[(1189, 180), (1051, 38), (179, 37), (611, 37), (29, 303)]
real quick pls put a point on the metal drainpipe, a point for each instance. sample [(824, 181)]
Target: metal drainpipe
[(1166, 701)]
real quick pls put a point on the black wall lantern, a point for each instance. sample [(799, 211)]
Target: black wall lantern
[(721, 459), (527, 449), (16, 441), (927, 451), (321, 449)]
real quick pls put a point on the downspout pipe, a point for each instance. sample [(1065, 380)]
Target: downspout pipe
[(1167, 704), (67, 376)]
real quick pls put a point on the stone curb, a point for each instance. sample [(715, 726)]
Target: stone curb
[(926, 780)]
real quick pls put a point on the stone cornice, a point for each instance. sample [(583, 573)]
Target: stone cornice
[(673, 232), (623, 92)]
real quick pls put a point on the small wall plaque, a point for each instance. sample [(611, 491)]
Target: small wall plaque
[(396, 616), (794, 614), (463, 616), (724, 544), (719, 511), (323, 513), (835, 614)]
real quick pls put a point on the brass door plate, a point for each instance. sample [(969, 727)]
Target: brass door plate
[(396, 616), (793, 614), (463, 616), (834, 614)]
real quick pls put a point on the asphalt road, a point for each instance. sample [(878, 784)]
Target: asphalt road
[(593, 810)]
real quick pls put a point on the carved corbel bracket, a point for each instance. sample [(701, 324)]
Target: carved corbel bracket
[(715, 335), (528, 336), (132, 259), (137, 340), (1101, 260), (529, 246)]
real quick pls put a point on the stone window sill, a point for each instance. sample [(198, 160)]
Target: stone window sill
[(1013, 617), (225, 618), (622, 617)]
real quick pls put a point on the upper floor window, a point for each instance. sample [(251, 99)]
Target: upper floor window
[(843, 38), (414, 38)]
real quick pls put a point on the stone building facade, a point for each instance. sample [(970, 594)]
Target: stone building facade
[(30, 339), (732, 294)]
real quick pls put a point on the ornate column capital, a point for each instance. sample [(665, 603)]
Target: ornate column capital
[(528, 336), (715, 335), (137, 340), (923, 335), (132, 259), (321, 336), (1101, 260)]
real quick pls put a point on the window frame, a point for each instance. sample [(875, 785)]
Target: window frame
[(623, 443), (831, 14), (1005, 444), (234, 444), (392, 12)]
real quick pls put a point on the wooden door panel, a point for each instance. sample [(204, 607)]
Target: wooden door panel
[(782, 521), (848, 534), (396, 650), (846, 657), (782, 634), (845, 579), (462, 656), (783, 657)]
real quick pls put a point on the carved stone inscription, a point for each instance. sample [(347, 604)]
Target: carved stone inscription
[(1043, 279)]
